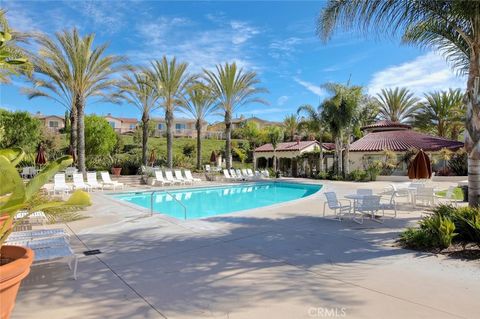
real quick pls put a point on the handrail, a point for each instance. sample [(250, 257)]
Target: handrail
[(174, 198)]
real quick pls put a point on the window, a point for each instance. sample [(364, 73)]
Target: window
[(112, 124), (160, 126), (179, 126), (53, 124), (132, 126)]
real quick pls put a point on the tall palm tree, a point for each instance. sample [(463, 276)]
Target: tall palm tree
[(75, 71), (442, 113), (274, 136), (199, 103), (291, 125), (170, 81), (451, 27), (135, 90), (232, 88), (397, 105), (314, 122)]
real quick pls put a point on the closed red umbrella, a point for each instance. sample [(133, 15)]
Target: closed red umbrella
[(41, 157), (420, 167), (153, 157), (213, 157)]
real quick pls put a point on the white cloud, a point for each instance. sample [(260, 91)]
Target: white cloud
[(426, 73), (263, 111), (315, 89), (242, 31), (282, 100)]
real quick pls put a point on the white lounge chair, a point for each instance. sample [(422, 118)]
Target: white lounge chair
[(239, 174), (207, 168), (335, 204), (37, 234), (25, 172), (93, 182), (69, 171), (179, 176), (169, 177), (79, 183), (59, 184), (160, 179), (107, 181), (227, 175), (188, 176), (250, 172), (265, 173)]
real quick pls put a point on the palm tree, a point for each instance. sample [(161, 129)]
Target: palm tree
[(232, 89), (291, 125), (274, 136), (397, 105), (442, 113), (135, 90), (13, 59), (451, 27), (339, 113), (199, 104), (170, 81), (74, 71), (314, 122)]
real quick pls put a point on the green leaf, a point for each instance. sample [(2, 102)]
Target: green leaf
[(14, 155), (11, 183), (46, 174)]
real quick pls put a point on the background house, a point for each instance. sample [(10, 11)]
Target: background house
[(182, 127), (122, 125), (53, 123)]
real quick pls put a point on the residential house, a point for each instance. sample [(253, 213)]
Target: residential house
[(122, 125), (217, 129), (182, 127), (53, 123)]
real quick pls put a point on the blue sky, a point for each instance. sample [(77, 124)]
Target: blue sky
[(275, 39)]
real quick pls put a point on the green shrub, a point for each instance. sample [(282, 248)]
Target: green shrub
[(466, 220), (442, 229), (417, 238), (373, 170), (458, 164), (188, 149), (358, 176)]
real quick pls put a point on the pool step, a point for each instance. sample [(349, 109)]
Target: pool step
[(131, 180)]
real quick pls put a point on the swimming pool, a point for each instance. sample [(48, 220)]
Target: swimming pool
[(211, 201)]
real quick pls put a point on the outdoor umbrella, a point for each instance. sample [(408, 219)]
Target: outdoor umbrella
[(71, 152), (213, 157), (41, 158), (153, 157), (420, 167)]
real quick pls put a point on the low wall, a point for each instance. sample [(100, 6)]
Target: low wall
[(393, 178)]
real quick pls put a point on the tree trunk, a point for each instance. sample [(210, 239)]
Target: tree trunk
[(73, 130), (320, 157), (169, 122), (228, 139), (145, 121), (80, 104), (274, 162), (472, 133), (198, 126), (346, 163), (338, 149)]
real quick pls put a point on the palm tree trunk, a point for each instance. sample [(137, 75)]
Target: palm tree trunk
[(472, 134), (228, 139), (169, 122), (346, 163), (73, 130), (320, 157), (274, 162), (338, 148), (198, 126), (145, 121), (80, 105)]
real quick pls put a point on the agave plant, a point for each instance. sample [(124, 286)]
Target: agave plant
[(15, 195)]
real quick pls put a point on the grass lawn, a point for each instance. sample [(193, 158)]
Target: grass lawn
[(457, 193)]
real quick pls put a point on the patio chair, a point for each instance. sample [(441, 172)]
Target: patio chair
[(69, 171), (266, 173), (207, 168), (169, 177), (107, 181), (59, 184), (426, 195), (92, 181), (179, 176), (245, 173), (250, 172), (188, 176), (79, 183), (239, 174), (227, 175), (391, 204), (160, 179), (364, 191), (25, 172), (335, 204), (370, 205), (450, 196)]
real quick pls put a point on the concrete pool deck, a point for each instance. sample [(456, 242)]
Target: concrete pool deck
[(273, 262)]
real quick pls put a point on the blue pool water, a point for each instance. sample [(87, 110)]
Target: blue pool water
[(205, 202)]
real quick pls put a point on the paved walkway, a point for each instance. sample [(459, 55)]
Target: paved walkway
[(277, 262)]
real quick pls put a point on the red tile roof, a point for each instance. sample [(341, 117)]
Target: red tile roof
[(328, 146), (402, 140), (127, 119), (386, 124), (286, 146)]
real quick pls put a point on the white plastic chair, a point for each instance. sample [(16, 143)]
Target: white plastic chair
[(25, 172), (169, 177), (391, 204), (250, 172), (370, 205), (334, 204), (207, 168), (107, 181), (59, 184), (188, 176), (364, 191), (159, 178), (92, 181), (79, 183), (426, 195), (450, 196), (179, 176)]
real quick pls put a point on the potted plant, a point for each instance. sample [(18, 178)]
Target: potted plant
[(116, 165), (15, 261)]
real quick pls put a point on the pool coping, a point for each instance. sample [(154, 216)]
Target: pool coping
[(175, 220)]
